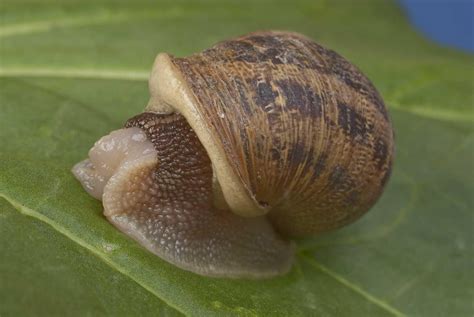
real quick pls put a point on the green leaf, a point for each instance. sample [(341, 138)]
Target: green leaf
[(72, 71), (45, 274)]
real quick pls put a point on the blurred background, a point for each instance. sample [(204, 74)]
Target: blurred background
[(448, 22)]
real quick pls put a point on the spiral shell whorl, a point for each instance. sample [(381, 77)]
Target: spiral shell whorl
[(304, 130)]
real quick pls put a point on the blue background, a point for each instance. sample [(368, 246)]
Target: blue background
[(447, 22)]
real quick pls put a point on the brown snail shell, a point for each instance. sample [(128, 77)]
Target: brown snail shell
[(256, 140)]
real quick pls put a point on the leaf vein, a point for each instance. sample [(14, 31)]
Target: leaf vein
[(134, 75), (34, 214), (357, 289), (103, 17)]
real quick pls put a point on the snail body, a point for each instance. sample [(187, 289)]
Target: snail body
[(254, 141)]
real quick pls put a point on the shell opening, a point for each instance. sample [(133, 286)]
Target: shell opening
[(169, 93)]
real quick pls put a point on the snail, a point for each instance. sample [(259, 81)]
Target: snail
[(242, 147)]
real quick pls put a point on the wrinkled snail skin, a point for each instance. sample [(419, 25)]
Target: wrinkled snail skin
[(254, 141)]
